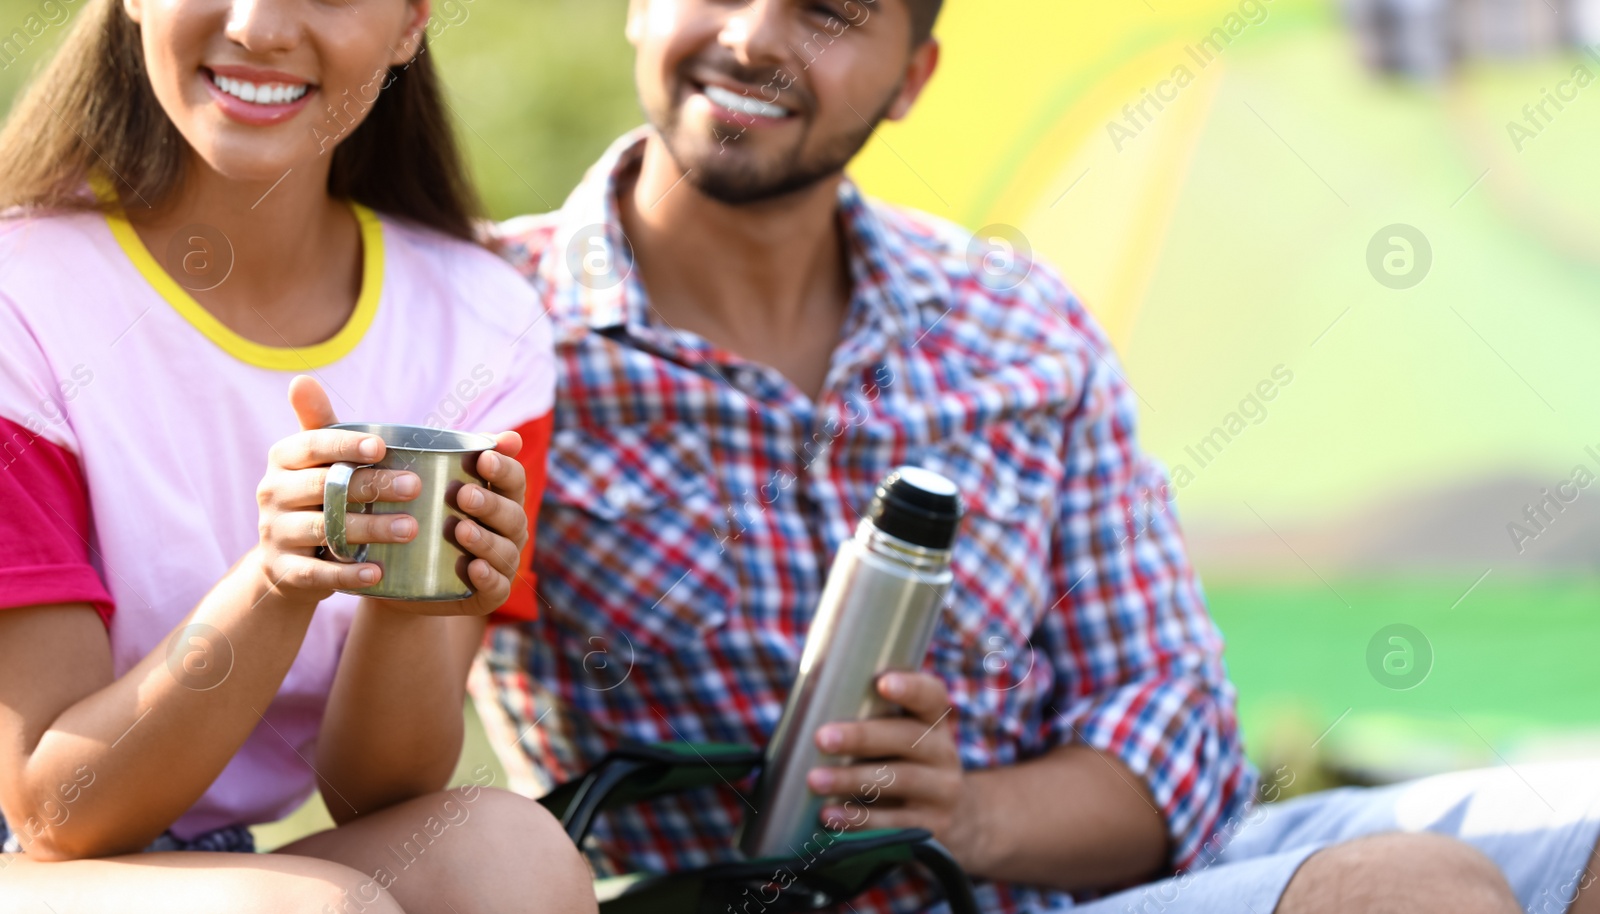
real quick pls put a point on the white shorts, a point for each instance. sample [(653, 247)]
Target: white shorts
[(1539, 823)]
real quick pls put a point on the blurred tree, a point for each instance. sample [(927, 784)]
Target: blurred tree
[(539, 88)]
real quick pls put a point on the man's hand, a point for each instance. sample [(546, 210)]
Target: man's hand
[(915, 778)]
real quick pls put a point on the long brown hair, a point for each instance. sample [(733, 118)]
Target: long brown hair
[(92, 110)]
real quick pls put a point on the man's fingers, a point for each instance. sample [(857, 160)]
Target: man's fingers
[(310, 403), (922, 694), (853, 816), (889, 737), (906, 782), (322, 447)]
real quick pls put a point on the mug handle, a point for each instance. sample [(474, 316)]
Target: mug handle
[(335, 506)]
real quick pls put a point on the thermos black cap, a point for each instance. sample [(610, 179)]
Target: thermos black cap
[(918, 506)]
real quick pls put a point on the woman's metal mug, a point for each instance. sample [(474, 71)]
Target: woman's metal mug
[(432, 566)]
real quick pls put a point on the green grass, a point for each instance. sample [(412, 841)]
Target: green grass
[(313, 816), (1512, 663)]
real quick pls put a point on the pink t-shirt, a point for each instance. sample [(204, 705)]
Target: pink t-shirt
[(134, 429)]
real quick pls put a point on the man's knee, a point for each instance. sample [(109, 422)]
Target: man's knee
[(1399, 872)]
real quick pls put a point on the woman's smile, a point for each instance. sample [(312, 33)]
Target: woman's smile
[(257, 97)]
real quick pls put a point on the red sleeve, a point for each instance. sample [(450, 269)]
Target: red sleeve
[(44, 526), (523, 604)]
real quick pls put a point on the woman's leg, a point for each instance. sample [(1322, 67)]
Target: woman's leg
[(468, 850), (186, 883)]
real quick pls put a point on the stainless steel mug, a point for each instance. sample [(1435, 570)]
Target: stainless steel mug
[(432, 566), (878, 612)]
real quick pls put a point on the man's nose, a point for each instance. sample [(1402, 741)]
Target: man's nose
[(261, 26), (757, 33)]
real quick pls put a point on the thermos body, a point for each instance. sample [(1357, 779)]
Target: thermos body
[(880, 606)]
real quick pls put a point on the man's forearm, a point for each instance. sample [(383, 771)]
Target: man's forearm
[(1071, 819), (393, 725)]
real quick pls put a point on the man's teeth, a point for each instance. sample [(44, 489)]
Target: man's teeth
[(743, 104), (260, 93)]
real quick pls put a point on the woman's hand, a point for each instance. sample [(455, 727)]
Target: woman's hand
[(290, 498), (494, 534), (292, 526)]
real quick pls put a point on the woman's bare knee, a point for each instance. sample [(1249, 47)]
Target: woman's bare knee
[(318, 886), (473, 848), (512, 834), (1399, 872), (195, 883)]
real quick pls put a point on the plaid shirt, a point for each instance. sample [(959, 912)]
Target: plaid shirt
[(695, 500)]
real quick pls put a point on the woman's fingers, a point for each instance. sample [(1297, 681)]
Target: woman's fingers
[(308, 530), (493, 510), (323, 446), (501, 553), (508, 443), (306, 491), (304, 573), (374, 485), (490, 585), (503, 471), (310, 402)]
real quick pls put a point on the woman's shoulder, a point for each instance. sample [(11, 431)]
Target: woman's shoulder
[(42, 252), (22, 229)]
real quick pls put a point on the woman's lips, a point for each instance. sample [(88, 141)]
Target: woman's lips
[(255, 114)]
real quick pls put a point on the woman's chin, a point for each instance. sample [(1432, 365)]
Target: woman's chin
[(257, 163)]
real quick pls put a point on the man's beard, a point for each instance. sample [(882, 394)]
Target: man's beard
[(728, 180)]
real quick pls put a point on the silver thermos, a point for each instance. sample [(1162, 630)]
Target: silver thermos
[(878, 611)]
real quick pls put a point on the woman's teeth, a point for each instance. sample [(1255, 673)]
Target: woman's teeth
[(260, 93), (743, 104)]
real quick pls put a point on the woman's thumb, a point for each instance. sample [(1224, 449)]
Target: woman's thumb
[(310, 403)]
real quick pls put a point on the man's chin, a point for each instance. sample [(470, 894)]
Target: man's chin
[(727, 169), (734, 188)]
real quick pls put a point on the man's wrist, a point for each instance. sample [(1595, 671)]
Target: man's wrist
[(977, 848)]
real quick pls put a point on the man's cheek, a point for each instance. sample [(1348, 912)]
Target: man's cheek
[(664, 19)]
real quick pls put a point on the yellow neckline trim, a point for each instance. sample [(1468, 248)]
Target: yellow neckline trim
[(277, 358)]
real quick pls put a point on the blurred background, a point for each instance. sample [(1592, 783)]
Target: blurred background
[(1381, 214)]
